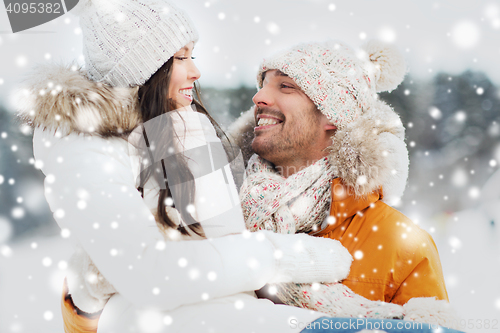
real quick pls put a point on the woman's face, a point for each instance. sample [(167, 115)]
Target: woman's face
[(184, 73)]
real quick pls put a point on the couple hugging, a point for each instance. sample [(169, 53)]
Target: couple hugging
[(167, 238)]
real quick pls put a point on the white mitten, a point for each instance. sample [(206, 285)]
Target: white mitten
[(433, 311), (336, 300), (306, 259)]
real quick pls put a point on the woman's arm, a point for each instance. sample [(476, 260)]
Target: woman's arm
[(92, 194), (90, 188)]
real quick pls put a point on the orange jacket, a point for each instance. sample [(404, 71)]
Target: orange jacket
[(394, 260), (75, 320)]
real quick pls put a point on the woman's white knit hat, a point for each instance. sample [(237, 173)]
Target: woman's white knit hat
[(341, 83), (126, 41)]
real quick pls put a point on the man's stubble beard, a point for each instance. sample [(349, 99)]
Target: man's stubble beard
[(290, 144)]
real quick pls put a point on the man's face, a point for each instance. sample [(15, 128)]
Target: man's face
[(289, 126)]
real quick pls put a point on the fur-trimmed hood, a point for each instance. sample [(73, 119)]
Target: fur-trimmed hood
[(61, 98), (367, 154)]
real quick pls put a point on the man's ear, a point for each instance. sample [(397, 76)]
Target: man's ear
[(325, 122)]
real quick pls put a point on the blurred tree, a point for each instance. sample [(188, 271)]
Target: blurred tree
[(22, 200), (452, 129), (227, 104)]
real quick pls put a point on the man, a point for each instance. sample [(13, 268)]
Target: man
[(317, 109)]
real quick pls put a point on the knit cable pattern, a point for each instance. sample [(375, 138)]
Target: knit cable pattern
[(125, 42)]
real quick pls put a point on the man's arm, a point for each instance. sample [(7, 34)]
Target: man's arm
[(426, 279)]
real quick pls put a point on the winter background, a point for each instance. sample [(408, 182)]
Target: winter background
[(449, 102)]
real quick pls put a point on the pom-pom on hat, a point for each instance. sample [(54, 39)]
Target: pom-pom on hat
[(126, 41), (342, 83)]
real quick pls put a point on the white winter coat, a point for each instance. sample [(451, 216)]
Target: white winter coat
[(175, 286)]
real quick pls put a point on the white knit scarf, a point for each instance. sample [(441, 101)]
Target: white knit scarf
[(300, 203)]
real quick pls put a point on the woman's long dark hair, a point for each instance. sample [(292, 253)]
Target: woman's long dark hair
[(154, 101)]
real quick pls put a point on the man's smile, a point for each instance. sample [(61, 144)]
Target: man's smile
[(265, 121)]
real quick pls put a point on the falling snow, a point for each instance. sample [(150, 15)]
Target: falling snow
[(449, 102), (358, 255), (466, 34)]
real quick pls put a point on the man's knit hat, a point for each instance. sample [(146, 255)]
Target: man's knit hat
[(341, 83), (126, 41)]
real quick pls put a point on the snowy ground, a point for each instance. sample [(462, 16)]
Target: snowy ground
[(469, 247), (31, 276)]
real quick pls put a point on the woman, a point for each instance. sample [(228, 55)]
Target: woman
[(126, 176), (138, 67)]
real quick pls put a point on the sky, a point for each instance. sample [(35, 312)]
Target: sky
[(451, 36)]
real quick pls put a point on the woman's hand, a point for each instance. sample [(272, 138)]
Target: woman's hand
[(305, 259)]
